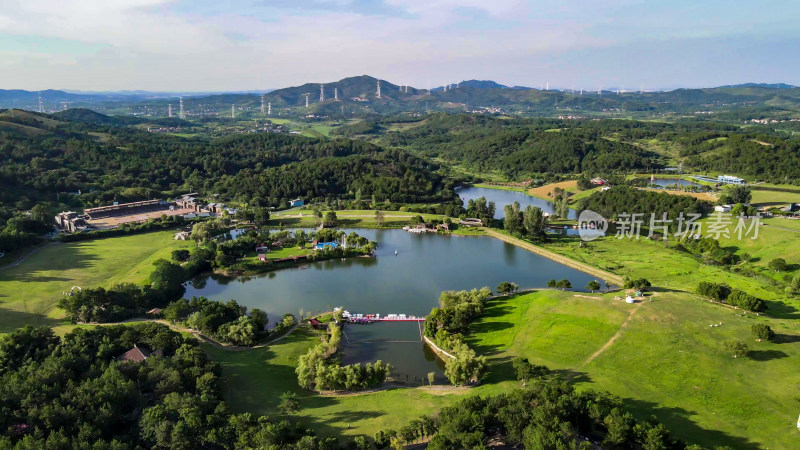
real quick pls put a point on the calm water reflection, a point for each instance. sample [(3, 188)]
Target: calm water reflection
[(502, 198), (408, 283), (664, 182)]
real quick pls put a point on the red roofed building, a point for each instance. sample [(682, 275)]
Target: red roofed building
[(137, 354)]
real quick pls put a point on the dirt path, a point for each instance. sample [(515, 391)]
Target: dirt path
[(340, 216), (772, 227), (437, 389), (613, 338), (201, 337), (602, 274), (22, 258)]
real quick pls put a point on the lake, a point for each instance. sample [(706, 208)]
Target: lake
[(501, 198), (664, 182), (407, 283)]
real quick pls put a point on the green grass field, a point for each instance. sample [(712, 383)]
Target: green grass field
[(255, 379), (347, 218), (29, 291), (666, 361), (766, 194)]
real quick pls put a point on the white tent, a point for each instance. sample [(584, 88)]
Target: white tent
[(628, 299)]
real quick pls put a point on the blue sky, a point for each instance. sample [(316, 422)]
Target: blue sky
[(218, 45)]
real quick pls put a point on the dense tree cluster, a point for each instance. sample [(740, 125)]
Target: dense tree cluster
[(446, 327), (260, 169), (760, 157), (734, 297), (708, 249), (479, 208), (455, 312), (318, 370), (126, 300), (71, 392), (517, 147), (19, 229), (548, 414), (226, 322), (623, 199), (530, 222), (641, 284)]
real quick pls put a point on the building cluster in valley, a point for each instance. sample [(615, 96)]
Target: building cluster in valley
[(116, 214)]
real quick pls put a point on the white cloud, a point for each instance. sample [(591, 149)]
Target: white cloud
[(162, 44)]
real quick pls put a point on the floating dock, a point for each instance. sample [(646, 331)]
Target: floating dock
[(372, 318)]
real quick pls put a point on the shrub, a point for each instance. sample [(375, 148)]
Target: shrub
[(762, 332), (736, 348)]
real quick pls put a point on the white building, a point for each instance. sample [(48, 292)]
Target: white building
[(722, 208), (729, 179)]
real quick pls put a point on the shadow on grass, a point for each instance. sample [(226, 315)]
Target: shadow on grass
[(12, 320), (31, 278), (766, 355), (678, 420), (786, 338), (781, 310), (352, 416), (573, 376)]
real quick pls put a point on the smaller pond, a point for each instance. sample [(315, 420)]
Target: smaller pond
[(399, 344), (501, 198), (664, 182)]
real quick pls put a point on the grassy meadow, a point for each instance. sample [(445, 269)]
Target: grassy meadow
[(661, 357), (30, 290)]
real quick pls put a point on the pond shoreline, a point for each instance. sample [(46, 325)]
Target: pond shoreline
[(569, 262)]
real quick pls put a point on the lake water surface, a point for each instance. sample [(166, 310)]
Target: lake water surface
[(501, 198), (407, 283), (664, 182)]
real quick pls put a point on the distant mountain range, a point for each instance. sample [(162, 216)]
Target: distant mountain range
[(761, 85), (360, 94)]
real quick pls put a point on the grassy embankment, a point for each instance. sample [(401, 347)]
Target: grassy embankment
[(348, 218), (30, 290)]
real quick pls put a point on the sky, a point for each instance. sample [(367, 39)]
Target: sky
[(219, 45)]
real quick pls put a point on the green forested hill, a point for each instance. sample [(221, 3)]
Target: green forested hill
[(129, 164), (518, 147)]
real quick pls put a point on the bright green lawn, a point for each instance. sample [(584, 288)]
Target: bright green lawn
[(766, 194), (666, 267), (666, 361), (255, 379), (29, 291)]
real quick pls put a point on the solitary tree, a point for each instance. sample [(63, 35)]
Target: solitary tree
[(593, 285), (379, 217), (431, 378), (736, 348), (506, 287), (778, 265), (762, 332), (260, 216), (330, 219), (289, 403)]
